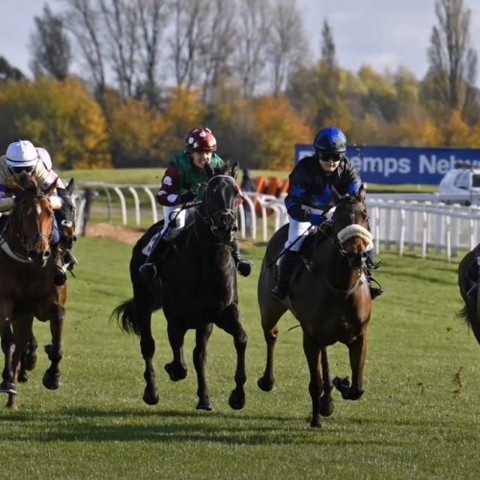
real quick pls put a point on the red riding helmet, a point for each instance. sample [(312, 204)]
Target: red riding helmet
[(201, 140)]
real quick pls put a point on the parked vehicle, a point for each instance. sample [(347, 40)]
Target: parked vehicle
[(461, 185)]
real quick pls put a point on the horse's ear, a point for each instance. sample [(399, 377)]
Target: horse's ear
[(70, 188), (234, 170), (47, 191), (335, 195), (362, 194), (209, 170)]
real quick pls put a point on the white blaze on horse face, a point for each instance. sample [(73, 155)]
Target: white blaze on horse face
[(38, 208)]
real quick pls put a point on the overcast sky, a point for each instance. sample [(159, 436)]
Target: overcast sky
[(381, 33)]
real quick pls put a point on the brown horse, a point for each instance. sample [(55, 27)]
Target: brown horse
[(27, 289), (197, 289), (468, 281), (330, 297)]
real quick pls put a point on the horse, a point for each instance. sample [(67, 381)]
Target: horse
[(27, 288), (197, 289), (468, 282), (329, 295)]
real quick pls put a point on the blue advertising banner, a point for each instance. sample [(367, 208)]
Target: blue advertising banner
[(403, 165)]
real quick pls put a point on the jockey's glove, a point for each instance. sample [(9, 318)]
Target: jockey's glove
[(187, 196), (316, 219)]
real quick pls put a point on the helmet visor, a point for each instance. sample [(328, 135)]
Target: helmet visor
[(330, 157)]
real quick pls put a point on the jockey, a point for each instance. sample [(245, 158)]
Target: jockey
[(22, 156), (310, 194), (181, 186)]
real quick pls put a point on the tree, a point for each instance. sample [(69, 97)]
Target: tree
[(453, 62), (287, 45), (61, 116), (50, 47), (83, 21), (7, 72), (253, 32)]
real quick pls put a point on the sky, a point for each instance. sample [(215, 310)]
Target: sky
[(384, 34)]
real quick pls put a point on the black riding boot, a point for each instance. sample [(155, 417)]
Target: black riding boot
[(244, 267), (374, 291), (149, 269), (285, 269)]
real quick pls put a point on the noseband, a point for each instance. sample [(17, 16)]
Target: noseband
[(221, 219)]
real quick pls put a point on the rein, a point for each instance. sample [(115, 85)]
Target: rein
[(213, 218), (21, 235)]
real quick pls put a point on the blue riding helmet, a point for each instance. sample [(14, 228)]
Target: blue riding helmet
[(330, 140)]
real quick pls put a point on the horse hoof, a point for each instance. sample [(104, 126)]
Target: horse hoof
[(204, 405), (175, 373), (265, 385), (151, 397), (237, 400), (326, 407), (8, 387), (22, 377), (52, 382), (315, 424)]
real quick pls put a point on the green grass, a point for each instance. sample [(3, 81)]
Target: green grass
[(419, 417)]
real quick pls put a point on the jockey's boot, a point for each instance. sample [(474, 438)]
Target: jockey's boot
[(371, 265), (285, 269), (65, 262), (69, 260), (244, 267), (374, 291), (149, 269)]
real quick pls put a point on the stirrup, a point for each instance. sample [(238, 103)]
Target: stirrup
[(148, 271), (71, 263), (375, 291)]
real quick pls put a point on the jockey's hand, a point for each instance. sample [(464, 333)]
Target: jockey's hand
[(187, 197), (316, 219)]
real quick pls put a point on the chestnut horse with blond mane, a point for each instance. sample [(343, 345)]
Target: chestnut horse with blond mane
[(27, 288)]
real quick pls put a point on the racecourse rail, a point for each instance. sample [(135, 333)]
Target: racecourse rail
[(401, 223)]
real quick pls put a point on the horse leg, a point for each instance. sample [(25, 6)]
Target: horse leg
[(270, 318), (176, 369), (357, 351), (29, 354), (8, 375), (230, 322), (147, 347), (52, 377), (315, 386), (202, 334), (326, 401)]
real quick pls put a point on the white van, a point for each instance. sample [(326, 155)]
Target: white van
[(461, 185)]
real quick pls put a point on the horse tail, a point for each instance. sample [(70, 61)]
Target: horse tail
[(125, 316)]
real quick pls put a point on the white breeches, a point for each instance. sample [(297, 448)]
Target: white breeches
[(297, 230), (175, 213)]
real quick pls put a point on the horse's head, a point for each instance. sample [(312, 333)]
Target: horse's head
[(351, 228), (220, 208), (32, 219)]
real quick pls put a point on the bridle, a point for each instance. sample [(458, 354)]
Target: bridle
[(224, 220), (15, 224)]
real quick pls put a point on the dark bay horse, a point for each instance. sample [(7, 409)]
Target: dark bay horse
[(330, 297), (469, 283), (27, 289), (196, 287)]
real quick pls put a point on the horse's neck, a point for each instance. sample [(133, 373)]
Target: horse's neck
[(10, 237), (203, 242), (338, 270)]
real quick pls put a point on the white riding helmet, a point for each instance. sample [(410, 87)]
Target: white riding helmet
[(21, 154)]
